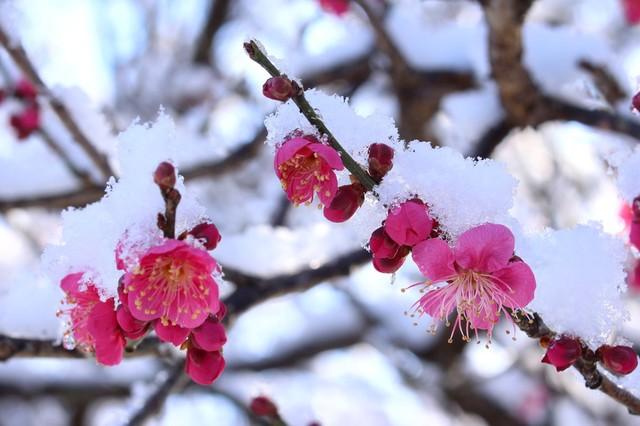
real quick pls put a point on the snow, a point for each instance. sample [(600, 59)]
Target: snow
[(580, 280), (126, 214), (628, 172)]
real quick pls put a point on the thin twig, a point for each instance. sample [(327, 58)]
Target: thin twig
[(21, 59), (258, 56), (153, 404)]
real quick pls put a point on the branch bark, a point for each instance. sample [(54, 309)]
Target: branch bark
[(218, 12)]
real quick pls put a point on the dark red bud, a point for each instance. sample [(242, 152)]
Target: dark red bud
[(618, 359), (389, 265), (165, 175), (347, 200), (263, 406), (25, 90), (381, 245), (26, 122), (278, 88), (208, 234), (337, 7), (563, 352), (635, 102), (380, 160)]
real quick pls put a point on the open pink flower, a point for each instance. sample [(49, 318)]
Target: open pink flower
[(109, 340), (173, 283), (81, 299), (479, 280), (409, 223), (305, 166)]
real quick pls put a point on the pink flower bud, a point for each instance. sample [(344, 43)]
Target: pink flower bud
[(202, 366), (409, 223), (165, 175), (26, 122), (278, 89), (25, 90), (380, 160), (337, 7), (633, 277), (631, 11), (562, 353), (618, 359), (208, 234), (263, 406), (635, 102), (345, 203)]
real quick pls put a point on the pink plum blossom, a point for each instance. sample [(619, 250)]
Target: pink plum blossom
[(109, 341), (409, 223), (478, 278), (337, 7), (305, 166), (80, 299), (173, 283)]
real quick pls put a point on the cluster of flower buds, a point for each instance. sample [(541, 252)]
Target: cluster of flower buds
[(169, 287), (564, 351), (27, 118)]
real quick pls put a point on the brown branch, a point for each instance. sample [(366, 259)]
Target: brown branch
[(218, 12), (21, 59), (484, 146), (535, 327), (604, 81), (82, 175), (153, 404)]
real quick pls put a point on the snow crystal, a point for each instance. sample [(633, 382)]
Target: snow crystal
[(354, 132), (461, 192), (127, 214), (580, 279)]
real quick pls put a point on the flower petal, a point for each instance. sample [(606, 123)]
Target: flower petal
[(409, 223), (210, 336), (434, 258), (485, 248), (438, 303), (204, 367), (173, 334), (287, 150), (328, 154), (518, 283)]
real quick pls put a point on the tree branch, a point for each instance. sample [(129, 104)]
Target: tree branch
[(218, 12)]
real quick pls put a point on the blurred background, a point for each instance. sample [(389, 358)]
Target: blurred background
[(342, 351)]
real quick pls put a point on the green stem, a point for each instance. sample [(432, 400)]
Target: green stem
[(258, 56)]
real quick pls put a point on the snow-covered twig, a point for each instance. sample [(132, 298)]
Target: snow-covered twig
[(535, 327), (21, 59), (257, 55)]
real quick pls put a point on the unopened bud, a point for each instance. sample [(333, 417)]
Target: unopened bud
[(208, 234), (278, 88), (165, 175), (618, 359), (380, 160), (563, 352), (263, 406)]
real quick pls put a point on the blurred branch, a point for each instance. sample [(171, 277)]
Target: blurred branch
[(21, 59), (82, 175), (218, 12), (154, 402), (604, 81), (485, 145), (81, 197)]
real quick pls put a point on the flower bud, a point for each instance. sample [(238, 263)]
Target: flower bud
[(409, 223), (618, 359), (563, 352), (635, 102), (208, 234), (345, 203), (278, 88), (380, 160), (389, 265), (165, 175), (263, 406), (26, 122), (24, 89), (337, 7), (381, 245)]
